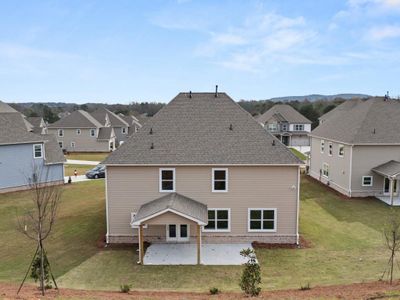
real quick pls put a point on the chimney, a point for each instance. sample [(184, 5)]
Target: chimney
[(216, 91)]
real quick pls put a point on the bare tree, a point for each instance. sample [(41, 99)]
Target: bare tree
[(37, 223), (391, 233)]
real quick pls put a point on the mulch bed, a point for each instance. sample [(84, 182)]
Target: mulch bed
[(303, 244), (371, 290)]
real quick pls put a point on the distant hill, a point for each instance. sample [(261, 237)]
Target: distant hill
[(315, 97)]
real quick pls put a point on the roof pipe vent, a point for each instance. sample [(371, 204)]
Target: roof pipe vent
[(374, 131), (273, 142), (151, 130), (152, 146), (231, 127), (216, 91), (190, 94)]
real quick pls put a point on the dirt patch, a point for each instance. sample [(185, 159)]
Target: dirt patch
[(371, 290), (303, 244)]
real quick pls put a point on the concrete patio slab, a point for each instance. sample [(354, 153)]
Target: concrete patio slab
[(185, 254)]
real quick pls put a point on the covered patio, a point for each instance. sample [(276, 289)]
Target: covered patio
[(179, 215), (391, 173)]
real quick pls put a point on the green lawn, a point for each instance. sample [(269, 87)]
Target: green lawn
[(346, 238), (81, 169), (92, 156), (298, 154)]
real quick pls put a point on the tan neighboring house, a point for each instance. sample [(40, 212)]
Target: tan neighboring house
[(288, 125), (356, 149), (202, 170), (39, 126)]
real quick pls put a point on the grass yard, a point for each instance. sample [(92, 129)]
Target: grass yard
[(81, 169), (298, 154), (92, 156), (346, 238)]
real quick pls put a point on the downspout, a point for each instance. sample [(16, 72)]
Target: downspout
[(351, 169), (298, 207), (108, 225)]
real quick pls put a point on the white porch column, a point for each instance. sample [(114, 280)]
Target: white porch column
[(198, 244), (391, 190)]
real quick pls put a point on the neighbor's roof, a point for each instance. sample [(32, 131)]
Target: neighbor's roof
[(177, 203), (197, 130), (5, 108), (35, 121), (346, 105), (105, 133), (53, 152), (283, 112), (115, 120), (372, 121), (13, 130), (391, 169), (77, 119)]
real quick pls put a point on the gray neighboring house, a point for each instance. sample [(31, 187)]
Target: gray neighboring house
[(39, 126), (288, 125), (202, 170), (23, 153), (356, 149), (99, 131)]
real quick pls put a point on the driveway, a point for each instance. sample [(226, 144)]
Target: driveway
[(185, 254), (78, 178), (82, 162)]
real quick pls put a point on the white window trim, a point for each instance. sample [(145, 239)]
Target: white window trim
[(226, 180), (219, 230), (62, 144), (262, 230), (372, 181), (133, 214), (78, 131), (160, 180), (340, 146), (178, 237), (322, 146), (330, 148), (90, 132), (300, 125), (323, 175), (73, 144), (58, 132), (124, 130), (41, 151)]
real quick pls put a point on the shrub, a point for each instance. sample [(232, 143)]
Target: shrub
[(35, 271), (214, 291), (125, 288), (251, 276), (305, 287)]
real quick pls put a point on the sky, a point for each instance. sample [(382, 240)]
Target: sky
[(122, 51)]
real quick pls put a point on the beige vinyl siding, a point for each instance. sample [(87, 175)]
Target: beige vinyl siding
[(339, 167), (366, 158), (249, 187), (83, 142)]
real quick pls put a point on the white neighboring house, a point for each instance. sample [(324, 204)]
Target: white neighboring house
[(288, 125)]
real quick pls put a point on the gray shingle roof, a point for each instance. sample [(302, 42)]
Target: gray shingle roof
[(53, 152), (13, 130), (77, 119), (175, 202), (197, 131), (5, 108), (391, 168), (35, 121), (372, 121), (283, 112), (105, 133), (115, 120)]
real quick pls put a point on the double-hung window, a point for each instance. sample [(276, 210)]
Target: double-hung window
[(325, 170), (124, 130), (341, 150), (273, 127), (322, 146), (298, 127), (38, 151), (330, 149), (262, 219), (219, 180), (78, 132), (92, 132), (167, 180), (60, 132), (367, 181), (218, 220), (61, 144)]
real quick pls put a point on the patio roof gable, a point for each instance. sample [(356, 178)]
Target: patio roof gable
[(390, 169)]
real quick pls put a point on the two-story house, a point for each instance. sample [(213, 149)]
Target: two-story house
[(356, 149), (202, 170), (288, 125), (24, 154)]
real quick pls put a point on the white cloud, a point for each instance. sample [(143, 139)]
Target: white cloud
[(383, 32)]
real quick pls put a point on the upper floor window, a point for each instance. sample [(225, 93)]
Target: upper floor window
[(272, 127), (167, 180), (219, 180), (61, 144), (367, 181), (298, 127), (124, 130), (92, 132), (218, 220), (330, 149), (72, 144), (341, 150), (322, 146), (38, 151), (325, 170), (78, 132), (284, 127), (60, 132), (262, 219)]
